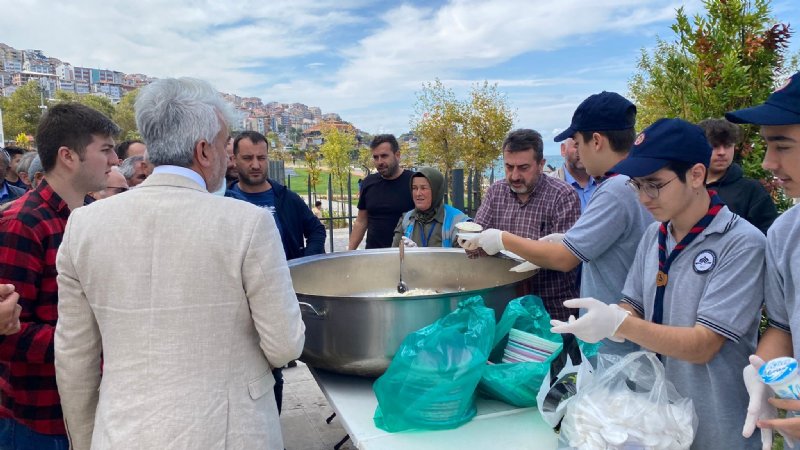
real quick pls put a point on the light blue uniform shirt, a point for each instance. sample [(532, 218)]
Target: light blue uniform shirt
[(584, 193)]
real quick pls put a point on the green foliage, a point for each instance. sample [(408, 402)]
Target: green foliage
[(729, 58), (21, 111), (125, 116), (437, 124), (336, 148)]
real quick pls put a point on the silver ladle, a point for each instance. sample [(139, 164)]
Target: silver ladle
[(401, 286)]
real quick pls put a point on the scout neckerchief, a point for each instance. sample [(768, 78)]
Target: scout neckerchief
[(422, 233), (665, 262)]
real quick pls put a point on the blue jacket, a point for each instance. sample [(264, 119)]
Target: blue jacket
[(303, 234), (452, 216), (14, 192)]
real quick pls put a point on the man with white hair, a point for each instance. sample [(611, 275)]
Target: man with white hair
[(191, 322), (8, 191), (135, 169)]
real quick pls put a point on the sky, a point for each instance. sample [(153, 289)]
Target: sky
[(363, 59)]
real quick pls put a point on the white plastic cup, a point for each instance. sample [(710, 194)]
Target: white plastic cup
[(783, 376)]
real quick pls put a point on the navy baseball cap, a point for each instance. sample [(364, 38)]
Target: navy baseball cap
[(601, 112), (781, 108), (665, 141)]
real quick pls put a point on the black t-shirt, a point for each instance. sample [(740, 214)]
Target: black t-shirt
[(385, 201)]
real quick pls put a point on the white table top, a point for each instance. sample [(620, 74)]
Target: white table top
[(497, 425)]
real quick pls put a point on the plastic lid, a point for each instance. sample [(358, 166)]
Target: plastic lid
[(778, 370)]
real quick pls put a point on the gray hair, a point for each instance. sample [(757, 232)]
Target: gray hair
[(172, 115), (36, 166), (5, 159), (25, 162), (128, 167)]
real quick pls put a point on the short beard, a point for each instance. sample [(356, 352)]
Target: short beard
[(244, 179)]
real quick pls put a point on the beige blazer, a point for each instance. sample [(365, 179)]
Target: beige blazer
[(187, 298)]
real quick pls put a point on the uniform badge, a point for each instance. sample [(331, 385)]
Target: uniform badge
[(705, 261), (639, 139), (661, 279)]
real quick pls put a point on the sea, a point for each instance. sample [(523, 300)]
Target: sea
[(552, 162)]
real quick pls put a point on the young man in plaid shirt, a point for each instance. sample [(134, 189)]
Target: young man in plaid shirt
[(76, 147)]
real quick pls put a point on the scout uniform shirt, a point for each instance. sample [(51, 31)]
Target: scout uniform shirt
[(783, 275), (605, 239), (717, 282)]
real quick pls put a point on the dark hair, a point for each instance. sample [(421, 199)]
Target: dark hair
[(317, 203), (382, 138), (680, 168), (12, 150), (620, 141), (720, 132), (71, 125), (122, 148), (254, 136), (524, 139)]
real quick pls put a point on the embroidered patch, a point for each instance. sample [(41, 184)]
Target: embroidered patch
[(705, 261), (639, 139)]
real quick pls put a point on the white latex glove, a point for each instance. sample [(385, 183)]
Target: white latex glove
[(527, 266), (555, 237), (490, 240), (601, 321), (408, 242), (758, 407)]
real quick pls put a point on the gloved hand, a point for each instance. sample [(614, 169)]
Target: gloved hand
[(555, 237), (758, 407), (408, 242), (601, 321), (490, 240)]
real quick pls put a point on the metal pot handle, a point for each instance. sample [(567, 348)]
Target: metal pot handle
[(318, 314)]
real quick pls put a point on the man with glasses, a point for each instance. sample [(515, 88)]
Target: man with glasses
[(116, 185), (605, 236), (695, 288)]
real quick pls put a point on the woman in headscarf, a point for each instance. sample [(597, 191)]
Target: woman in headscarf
[(431, 223)]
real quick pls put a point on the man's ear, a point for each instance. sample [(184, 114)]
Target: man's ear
[(697, 176), (68, 157), (203, 153)]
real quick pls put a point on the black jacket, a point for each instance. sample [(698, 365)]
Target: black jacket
[(303, 234), (746, 197)]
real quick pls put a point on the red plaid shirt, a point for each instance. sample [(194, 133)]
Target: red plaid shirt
[(30, 233), (552, 207)]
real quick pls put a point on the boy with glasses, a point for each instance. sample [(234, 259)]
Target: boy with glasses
[(695, 287)]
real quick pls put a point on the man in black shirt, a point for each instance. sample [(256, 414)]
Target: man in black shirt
[(385, 196), (744, 196)]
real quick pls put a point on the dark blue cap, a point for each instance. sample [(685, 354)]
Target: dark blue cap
[(781, 108), (665, 141), (601, 112)]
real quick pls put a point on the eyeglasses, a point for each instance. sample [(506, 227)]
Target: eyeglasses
[(650, 189)]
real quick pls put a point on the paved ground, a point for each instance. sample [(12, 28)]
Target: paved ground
[(304, 412)]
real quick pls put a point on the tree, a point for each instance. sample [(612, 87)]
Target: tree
[(21, 111), (365, 159), (437, 123), (314, 171), (487, 120), (98, 102), (730, 58), (336, 148), (125, 116)]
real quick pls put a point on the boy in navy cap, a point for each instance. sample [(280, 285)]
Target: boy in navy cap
[(779, 118), (695, 287), (605, 236)]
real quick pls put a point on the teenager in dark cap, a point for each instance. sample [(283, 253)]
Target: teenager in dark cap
[(779, 118), (605, 236), (695, 288)]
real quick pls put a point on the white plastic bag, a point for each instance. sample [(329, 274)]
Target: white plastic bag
[(557, 391), (629, 404)]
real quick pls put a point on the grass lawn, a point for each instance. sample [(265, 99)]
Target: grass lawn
[(299, 183)]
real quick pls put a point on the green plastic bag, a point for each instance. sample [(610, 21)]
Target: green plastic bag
[(431, 381), (518, 383)]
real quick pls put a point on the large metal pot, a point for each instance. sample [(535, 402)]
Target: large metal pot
[(353, 323)]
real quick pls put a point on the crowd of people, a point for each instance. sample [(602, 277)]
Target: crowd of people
[(125, 286)]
